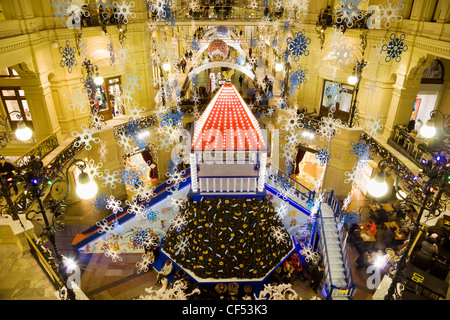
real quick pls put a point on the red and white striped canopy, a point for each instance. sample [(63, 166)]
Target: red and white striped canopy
[(228, 124)]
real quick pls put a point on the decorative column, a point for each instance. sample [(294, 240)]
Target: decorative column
[(194, 177), (341, 161), (262, 171), (400, 108)]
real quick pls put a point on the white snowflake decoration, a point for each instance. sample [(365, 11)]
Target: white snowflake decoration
[(282, 209), (182, 246), (355, 175), (80, 102), (108, 228), (279, 234), (178, 223), (94, 169), (114, 205), (124, 10), (113, 254), (374, 126), (86, 137), (390, 13), (145, 263), (309, 254), (328, 127), (177, 292), (282, 291), (348, 11), (103, 151), (110, 179)]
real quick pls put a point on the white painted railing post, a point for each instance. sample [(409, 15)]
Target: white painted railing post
[(194, 178), (262, 171)]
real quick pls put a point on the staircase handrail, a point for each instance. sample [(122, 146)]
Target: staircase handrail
[(310, 194), (322, 236), (338, 215)]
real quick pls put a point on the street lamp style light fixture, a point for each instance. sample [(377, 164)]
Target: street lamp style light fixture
[(438, 172), (278, 66), (23, 133), (377, 186), (428, 130), (33, 175)]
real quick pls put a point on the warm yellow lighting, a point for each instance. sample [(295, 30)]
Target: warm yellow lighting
[(377, 186), (86, 188), (428, 130), (23, 133), (352, 79)]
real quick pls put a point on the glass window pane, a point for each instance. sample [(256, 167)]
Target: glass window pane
[(8, 93), (14, 72), (26, 110), (13, 105), (21, 93)]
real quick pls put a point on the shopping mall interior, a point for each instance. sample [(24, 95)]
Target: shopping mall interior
[(224, 150)]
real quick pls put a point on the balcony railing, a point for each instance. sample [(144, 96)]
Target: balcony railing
[(409, 145)]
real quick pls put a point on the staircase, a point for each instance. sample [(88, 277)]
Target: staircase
[(332, 238), (338, 275)]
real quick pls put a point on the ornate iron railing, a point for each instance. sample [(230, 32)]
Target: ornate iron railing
[(40, 150)]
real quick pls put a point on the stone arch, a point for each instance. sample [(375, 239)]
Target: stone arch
[(215, 64)]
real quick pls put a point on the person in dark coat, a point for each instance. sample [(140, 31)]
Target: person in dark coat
[(316, 277), (7, 173)]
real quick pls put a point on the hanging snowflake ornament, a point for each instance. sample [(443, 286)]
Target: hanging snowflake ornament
[(106, 227), (281, 291), (178, 223), (182, 246), (132, 177), (361, 150), (80, 102), (329, 127), (60, 7), (298, 45), (114, 205), (103, 151), (113, 254), (68, 56), (110, 179), (347, 201), (323, 157), (85, 137), (352, 217), (308, 253), (131, 83), (122, 53), (349, 11), (147, 260), (93, 169), (390, 13), (140, 236), (282, 210), (395, 47), (341, 48), (123, 10), (279, 234), (99, 202), (297, 78), (355, 175), (374, 126), (75, 11)]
